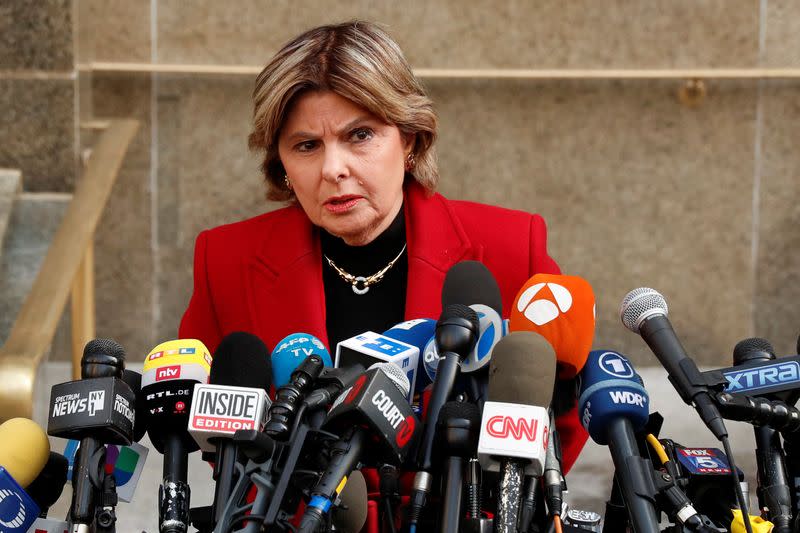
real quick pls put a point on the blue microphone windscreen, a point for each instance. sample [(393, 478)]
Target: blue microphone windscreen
[(293, 350), (609, 389)]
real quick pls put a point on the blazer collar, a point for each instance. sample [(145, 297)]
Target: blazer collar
[(286, 293)]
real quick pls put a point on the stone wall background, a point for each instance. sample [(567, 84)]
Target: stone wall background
[(637, 189)]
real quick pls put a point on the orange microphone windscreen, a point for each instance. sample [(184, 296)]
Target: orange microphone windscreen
[(561, 309)]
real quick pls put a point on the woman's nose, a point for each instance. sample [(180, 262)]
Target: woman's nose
[(334, 165)]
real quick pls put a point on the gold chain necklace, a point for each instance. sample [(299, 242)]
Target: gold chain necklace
[(362, 284)]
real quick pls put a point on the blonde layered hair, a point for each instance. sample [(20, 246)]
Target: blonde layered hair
[(358, 61)]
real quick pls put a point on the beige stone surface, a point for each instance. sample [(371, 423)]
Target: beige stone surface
[(37, 132), (118, 30), (479, 33), (123, 247), (637, 190), (777, 314), (36, 36), (782, 34)]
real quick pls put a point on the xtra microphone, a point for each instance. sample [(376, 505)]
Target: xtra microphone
[(170, 372), (515, 425), (418, 333), (470, 282), (236, 398), (614, 405), (376, 424), (459, 426), (291, 351), (47, 487), (562, 310), (24, 450), (644, 311)]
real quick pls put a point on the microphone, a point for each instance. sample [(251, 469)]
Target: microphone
[(134, 380), (370, 347), (470, 282), (374, 419), (98, 409), (515, 425), (562, 310), (170, 372), (47, 487), (418, 333), (460, 424), (351, 513), (644, 311), (235, 398), (614, 405), (291, 351), (24, 450), (289, 397)]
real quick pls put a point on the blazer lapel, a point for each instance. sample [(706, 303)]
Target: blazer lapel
[(436, 241), (286, 294)]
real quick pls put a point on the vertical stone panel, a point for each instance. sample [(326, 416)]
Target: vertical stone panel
[(36, 35), (120, 30), (782, 43)]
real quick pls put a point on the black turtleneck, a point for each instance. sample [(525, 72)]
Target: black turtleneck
[(383, 306)]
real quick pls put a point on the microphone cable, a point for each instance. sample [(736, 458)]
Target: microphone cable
[(737, 485)]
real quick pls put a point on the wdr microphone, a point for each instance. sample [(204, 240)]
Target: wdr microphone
[(614, 405), (562, 310), (291, 351), (515, 426), (24, 450), (170, 373)]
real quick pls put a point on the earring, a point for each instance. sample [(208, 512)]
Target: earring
[(287, 182), (410, 162)]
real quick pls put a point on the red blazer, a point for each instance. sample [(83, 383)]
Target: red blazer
[(264, 274)]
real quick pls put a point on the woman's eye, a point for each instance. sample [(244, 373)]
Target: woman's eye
[(306, 146), (361, 134)]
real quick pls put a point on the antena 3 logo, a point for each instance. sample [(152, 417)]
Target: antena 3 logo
[(750, 379), (542, 310), (70, 404)]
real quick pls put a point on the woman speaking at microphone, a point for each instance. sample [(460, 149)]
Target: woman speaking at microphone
[(347, 135)]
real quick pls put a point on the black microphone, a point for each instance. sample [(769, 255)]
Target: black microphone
[(241, 363), (375, 424), (97, 409), (134, 381), (470, 282), (516, 421), (459, 426), (644, 311), (46, 488), (289, 397)]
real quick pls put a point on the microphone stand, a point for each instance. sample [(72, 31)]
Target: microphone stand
[(174, 494)]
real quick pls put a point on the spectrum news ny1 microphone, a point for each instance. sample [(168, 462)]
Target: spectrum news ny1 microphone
[(24, 451), (291, 351), (562, 310), (169, 374), (98, 409), (235, 398), (515, 425), (613, 405), (376, 425)]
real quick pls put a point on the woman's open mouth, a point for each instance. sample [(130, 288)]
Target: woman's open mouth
[(341, 204)]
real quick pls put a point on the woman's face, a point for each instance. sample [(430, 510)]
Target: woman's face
[(345, 165)]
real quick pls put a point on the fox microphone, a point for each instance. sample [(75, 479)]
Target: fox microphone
[(515, 426), (613, 405), (170, 372)]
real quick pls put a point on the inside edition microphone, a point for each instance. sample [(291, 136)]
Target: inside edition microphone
[(97, 409), (515, 425), (24, 450), (644, 311), (170, 372), (235, 398), (376, 425)]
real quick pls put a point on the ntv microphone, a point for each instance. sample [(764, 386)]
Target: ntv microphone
[(614, 405), (98, 409), (376, 424), (235, 398), (515, 426), (24, 451), (170, 372)]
